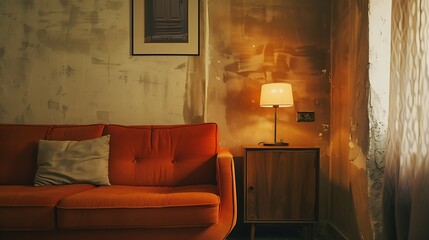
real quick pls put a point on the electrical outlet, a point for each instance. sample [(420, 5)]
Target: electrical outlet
[(305, 117)]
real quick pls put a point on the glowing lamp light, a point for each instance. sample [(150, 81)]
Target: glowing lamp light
[(276, 95)]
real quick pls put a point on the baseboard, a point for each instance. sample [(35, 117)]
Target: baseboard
[(334, 232)]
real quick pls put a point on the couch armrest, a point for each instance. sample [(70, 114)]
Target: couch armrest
[(225, 175)]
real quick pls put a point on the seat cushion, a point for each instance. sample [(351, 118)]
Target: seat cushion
[(33, 208), (138, 206)]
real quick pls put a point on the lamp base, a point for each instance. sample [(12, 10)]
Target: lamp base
[(276, 144)]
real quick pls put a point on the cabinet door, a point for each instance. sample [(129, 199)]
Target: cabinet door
[(281, 185)]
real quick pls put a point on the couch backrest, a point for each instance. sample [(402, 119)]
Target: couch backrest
[(167, 155), (75, 132), (18, 152), (163, 155), (19, 144)]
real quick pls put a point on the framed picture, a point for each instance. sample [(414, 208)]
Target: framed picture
[(165, 27)]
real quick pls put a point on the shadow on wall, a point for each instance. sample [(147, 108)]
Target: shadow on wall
[(350, 227)]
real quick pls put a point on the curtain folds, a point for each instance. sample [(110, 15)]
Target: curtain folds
[(406, 176)]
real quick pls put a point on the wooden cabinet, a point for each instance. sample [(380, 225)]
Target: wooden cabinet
[(280, 185)]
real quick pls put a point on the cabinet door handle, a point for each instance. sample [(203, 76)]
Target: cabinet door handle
[(251, 188)]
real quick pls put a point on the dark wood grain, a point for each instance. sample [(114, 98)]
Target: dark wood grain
[(281, 185)]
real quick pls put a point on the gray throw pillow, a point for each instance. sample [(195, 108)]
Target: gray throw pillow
[(73, 162)]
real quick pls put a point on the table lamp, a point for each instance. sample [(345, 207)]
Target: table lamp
[(276, 95)]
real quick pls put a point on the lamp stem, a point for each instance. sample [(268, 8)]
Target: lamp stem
[(275, 122)]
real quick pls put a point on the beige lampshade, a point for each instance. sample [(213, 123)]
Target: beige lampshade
[(276, 95)]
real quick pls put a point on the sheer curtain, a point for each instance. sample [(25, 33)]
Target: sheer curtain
[(406, 176)]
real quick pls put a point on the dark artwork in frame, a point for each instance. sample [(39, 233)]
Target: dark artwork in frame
[(165, 27)]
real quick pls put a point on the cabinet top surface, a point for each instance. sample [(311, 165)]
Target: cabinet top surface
[(261, 147)]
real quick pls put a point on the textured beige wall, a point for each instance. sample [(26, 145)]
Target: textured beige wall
[(67, 62), (380, 22)]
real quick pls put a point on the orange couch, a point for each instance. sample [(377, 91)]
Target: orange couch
[(167, 182)]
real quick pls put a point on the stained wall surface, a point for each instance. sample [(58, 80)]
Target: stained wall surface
[(343, 212), (358, 119), (259, 42), (69, 62)]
